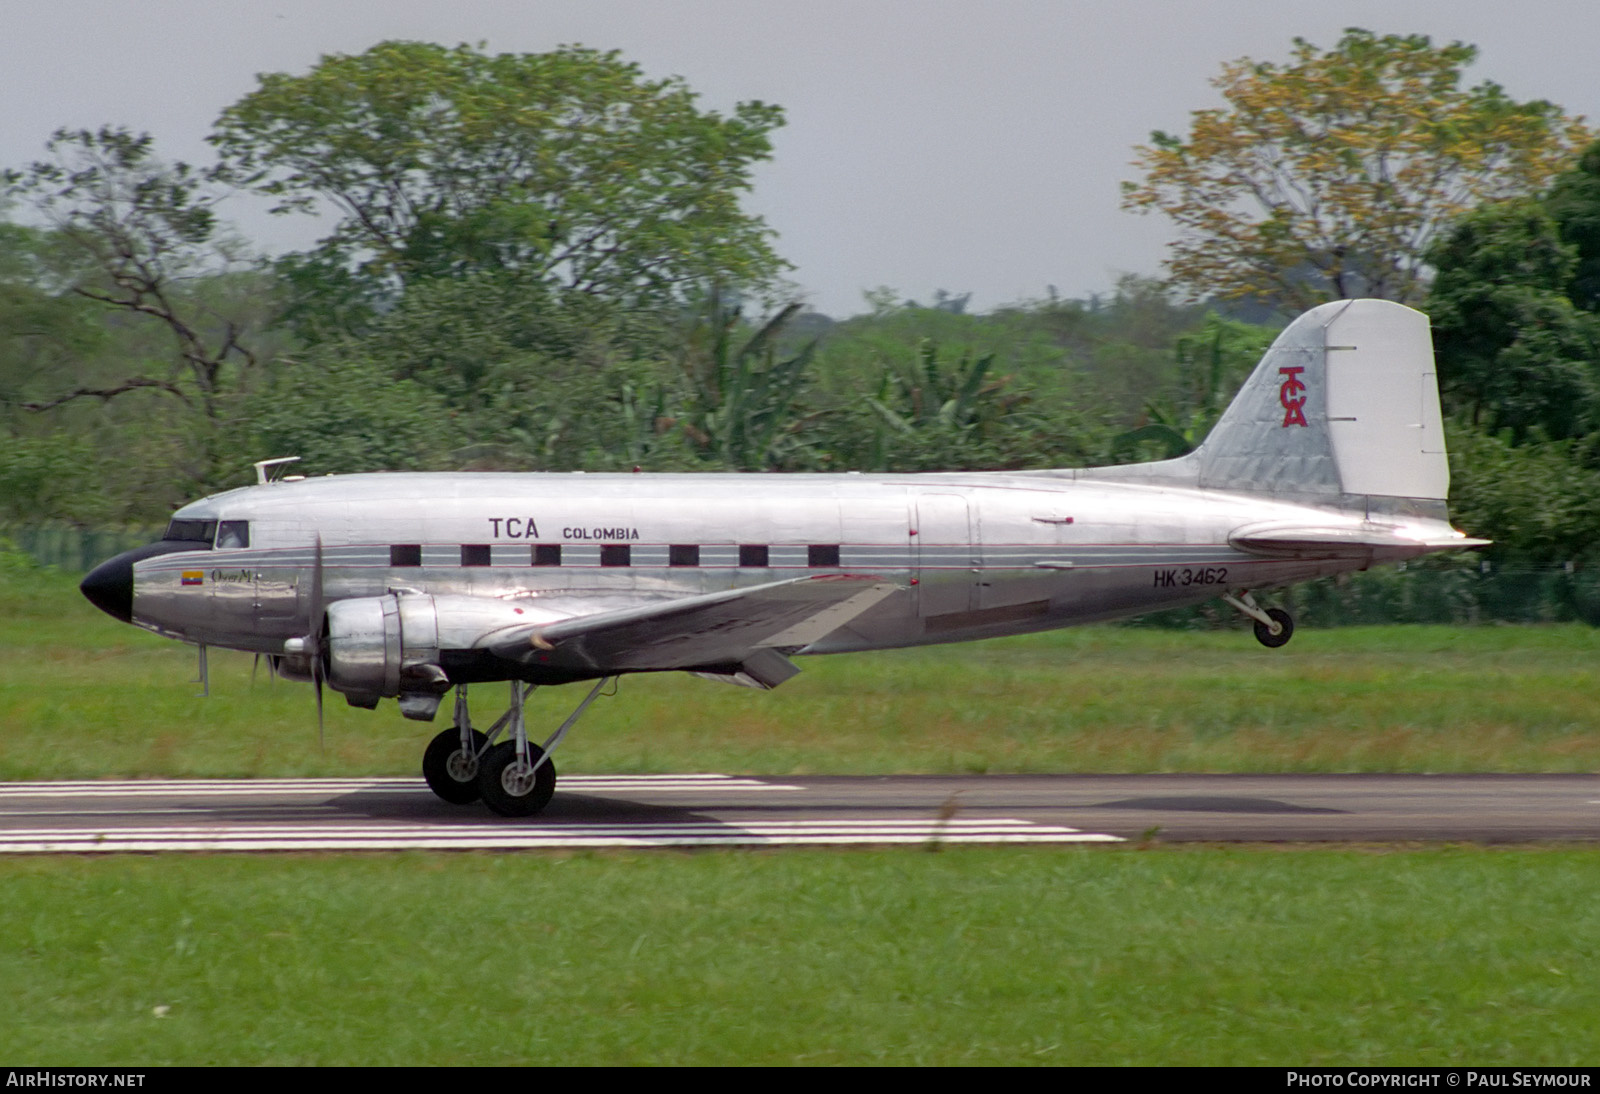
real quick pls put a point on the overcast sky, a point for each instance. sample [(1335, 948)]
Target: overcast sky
[(931, 144)]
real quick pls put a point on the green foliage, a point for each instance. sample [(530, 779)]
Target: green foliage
[(16, 568), (462, 338), (1213, 363), (1518, 349), (1512, 349), (1574, 204), (741, 405), (931, 416), (1538, 502), (344, 416), (137, 229), (529, 380), (569, 165), (46, 334), (132, 297), (929, 397), (55, 475)]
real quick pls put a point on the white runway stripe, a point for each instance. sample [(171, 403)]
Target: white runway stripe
[(391, 837), (323, 787)]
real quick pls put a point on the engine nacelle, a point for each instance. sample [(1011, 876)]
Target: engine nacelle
[(386, 647), (364, 646)]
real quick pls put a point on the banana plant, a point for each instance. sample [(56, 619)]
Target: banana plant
[(1211, 362), (742, 399)]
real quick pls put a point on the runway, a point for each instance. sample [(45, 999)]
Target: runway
[(384, 814)]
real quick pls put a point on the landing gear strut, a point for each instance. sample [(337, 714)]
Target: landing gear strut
[(515, 778), (451, 762), (1273, 626)]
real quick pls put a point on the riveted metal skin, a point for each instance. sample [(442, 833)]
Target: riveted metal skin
[(1285, 489)]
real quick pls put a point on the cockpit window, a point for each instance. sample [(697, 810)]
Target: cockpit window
[(233, 533), (192, 531)]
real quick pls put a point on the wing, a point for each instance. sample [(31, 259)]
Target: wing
[(732, 634)]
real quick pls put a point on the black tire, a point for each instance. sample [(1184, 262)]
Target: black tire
[(436, 767), (1264, 634), (504, 792)]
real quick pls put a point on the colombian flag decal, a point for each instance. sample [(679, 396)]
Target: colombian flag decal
[(194, 577)]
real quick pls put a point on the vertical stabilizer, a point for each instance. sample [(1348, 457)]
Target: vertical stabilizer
[(1344, 402)]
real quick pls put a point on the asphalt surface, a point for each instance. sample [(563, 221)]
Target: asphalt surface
[(714, 810)]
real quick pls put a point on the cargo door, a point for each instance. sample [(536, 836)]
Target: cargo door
[(946, 555)]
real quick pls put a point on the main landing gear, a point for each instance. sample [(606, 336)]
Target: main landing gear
[(515, 778), (1274, 626)]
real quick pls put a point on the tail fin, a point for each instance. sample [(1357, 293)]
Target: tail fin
[(1344, 402)]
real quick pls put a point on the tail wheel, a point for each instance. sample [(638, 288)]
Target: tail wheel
[(512, 786), (1285, 624)]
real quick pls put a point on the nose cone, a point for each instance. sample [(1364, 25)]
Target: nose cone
[(109, 587)]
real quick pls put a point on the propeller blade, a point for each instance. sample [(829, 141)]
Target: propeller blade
[(315, 628), (316, 636), (316, 678)]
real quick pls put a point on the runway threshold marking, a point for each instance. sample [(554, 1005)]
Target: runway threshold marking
[(249, 787), (397, 837)]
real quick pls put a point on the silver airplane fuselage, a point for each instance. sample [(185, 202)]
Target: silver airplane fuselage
[(402, 586), (970, 555)]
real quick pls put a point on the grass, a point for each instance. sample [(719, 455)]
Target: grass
[(969, 956), (84, 696), (1355, 956)]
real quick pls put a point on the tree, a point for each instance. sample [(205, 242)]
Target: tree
[(136, 235), (1213, 362), (569, 164), (1328, 177), (1538, 502), (1574, 202), (344, 416), (524, 384), (45, 329), (1513, 351), (741, 401)]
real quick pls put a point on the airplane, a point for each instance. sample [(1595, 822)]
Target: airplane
[(405, 585)]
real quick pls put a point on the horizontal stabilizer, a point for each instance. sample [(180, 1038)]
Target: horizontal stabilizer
[(1353, 540)]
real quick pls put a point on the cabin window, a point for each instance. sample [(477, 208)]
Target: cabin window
[(615, 554), (405, 554), (192, 531), (474, 554), (233, 533), (822, 554), (752, 554), (683, 554), (547, 554)]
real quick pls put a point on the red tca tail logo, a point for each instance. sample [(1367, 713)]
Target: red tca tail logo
[(1292, 396)]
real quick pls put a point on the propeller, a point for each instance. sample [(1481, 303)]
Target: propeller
[(272, 669), (313, 644), (316, 635)]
